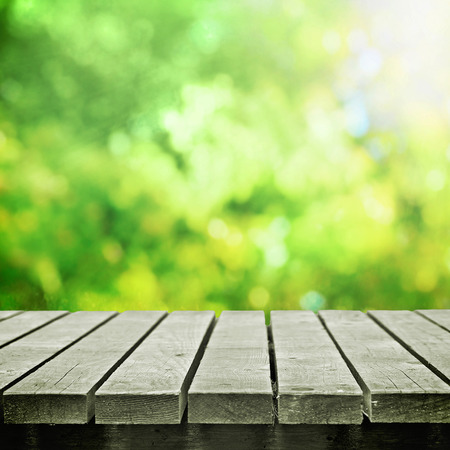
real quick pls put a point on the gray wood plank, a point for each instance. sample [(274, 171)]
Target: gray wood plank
[(8, 314), (22, 356), (150, 387), (232, 383), (439, 316), (397, 387), (315, 385), (25, 323), (62, 391), (425, 340)]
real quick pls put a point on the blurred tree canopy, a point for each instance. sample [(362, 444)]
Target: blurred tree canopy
[(252, 154)]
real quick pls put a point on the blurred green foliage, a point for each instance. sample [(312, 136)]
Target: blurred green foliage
[(219, 155)]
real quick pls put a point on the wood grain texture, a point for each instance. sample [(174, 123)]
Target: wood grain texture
[(232, 383), (151, 386), (438, 316), (315, 385), (8, 314), (33, 350), (22, 324), (397, 386), (62, 391), (425, 340)]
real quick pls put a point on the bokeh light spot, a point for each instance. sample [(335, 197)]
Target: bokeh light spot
[(313, 301), (435, 180), (217, 229)]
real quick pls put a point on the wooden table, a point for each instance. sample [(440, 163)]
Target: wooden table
[(339, 379)]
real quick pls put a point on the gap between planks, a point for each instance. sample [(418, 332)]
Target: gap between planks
[(440, 317), (273, 374), (8, 314)]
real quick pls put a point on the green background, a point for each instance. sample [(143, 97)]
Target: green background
[(224, 155)]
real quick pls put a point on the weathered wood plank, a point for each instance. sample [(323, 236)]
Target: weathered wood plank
[(150, 387), (315, 385), (397, 387), (62, 391), (8, 314), (425, 340), (22, 356), (25, 323), (240, 329), (232, 383), (439, 316)]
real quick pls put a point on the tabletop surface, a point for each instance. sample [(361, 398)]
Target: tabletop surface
[(150, 367)]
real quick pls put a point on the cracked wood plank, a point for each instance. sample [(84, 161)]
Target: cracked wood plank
[(22, 356), (315, 385), (8, 314), (425, 340), (397, 387), (439, 316), (151, 386), (62, 391), (23, 324), (232, 383)]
